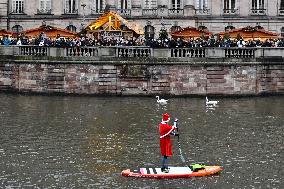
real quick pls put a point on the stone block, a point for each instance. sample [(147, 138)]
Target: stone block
[(216, 80)]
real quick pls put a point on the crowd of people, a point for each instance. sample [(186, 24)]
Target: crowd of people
[(213, 41)]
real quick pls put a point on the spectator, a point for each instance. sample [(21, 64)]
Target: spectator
[(6, 41)]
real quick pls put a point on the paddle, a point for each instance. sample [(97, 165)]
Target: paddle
[(179, 148)]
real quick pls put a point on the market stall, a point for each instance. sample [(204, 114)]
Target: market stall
[(4, 32), (48, 31), (250, 33), (191, 33), (112, 25)]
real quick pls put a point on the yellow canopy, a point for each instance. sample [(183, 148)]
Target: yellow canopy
[(112, 21)]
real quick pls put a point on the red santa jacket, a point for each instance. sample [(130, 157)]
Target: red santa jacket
[(165, 142)]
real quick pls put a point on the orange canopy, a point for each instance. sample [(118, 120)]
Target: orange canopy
[(252, 33), (5, 32), (49, 31), (190, 32)]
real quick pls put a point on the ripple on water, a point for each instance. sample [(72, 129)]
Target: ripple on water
[(85, 142)]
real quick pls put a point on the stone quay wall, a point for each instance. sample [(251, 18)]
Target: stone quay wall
[(142, 71)]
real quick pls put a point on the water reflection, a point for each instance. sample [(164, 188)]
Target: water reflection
[(85, 142)]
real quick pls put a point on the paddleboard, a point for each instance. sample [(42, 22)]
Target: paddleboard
[(174, 172)]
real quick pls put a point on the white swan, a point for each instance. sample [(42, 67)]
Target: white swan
[(211, 102), (161, 101)]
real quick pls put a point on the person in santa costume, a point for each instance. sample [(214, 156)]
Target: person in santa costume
[(165, 143)]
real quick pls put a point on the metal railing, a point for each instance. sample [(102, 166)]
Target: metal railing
[(74, 11), (175, 12), (201, 12), (258, 12), (149, 12), (124, 12), (44, 11), (97, 11), (281, 12), (230, 11)]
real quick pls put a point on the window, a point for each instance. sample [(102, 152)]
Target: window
[(229, 4), (201, 4), (257, 4), (230, 7), (282, 5), (17, 29), (229, 28), (98, 6), (149, 32), (71, 7), (150, 4), (175, 28), (71, 28), (44, 6), (282, 32), (176, 4), (258, 7), (123, 4), (18, 6)]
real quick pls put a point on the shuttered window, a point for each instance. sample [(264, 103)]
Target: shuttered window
[(44, 6), (201, 4), (125, 4), (98, 6), (71, 6), (150, 4), (176, 4), (229, 4), (282, 5), (18, 6), (257, 4)]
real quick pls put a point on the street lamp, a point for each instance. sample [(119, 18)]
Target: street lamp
[(82, 24), (162, 20)]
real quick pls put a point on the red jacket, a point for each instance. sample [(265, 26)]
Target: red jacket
[(165, 142)]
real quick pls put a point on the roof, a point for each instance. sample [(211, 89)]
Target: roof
[(251, 33), (5, 32), (190, 32), (112, 21), (50, 31)]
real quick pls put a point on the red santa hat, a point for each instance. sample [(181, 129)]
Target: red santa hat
[(165, 117)]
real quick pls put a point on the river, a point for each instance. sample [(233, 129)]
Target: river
[(85, 142)]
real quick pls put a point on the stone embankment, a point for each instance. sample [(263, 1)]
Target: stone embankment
[(142, 70)]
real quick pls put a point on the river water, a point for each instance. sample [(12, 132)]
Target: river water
[(85, 142)]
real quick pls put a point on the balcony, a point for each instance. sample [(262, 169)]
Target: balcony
[(230, 12), (97, 11), (175, 12), (258, 12), (17, 12), (126, 13), (43, 11), (73, 12), (202, 12), (150, 12)]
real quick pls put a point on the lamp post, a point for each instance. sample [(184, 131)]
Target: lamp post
[(162, 20), (83, 22)]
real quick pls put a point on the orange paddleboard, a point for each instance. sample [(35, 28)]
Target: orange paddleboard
[(174, 172)]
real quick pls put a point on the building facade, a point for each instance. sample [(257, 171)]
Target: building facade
[(152, 15)]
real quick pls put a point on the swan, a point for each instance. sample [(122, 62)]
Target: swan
[(211, 102), (161, 101)]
